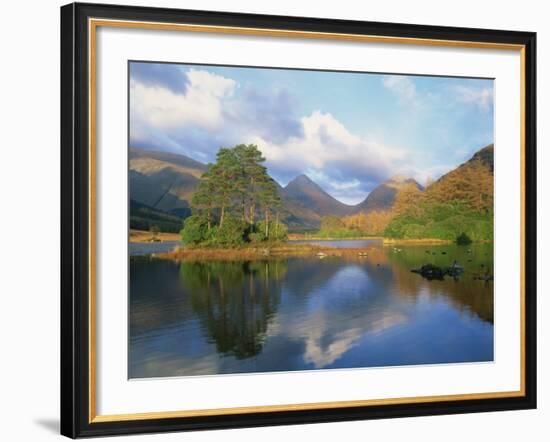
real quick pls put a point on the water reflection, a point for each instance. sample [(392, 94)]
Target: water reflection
[(307, 313), (234, 301)]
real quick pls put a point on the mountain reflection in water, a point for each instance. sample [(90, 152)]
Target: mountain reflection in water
[(307, 313)]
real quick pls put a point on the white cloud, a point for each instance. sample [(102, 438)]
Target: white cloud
[(482, 97), (332, 154), (200, 105), (402, 87)]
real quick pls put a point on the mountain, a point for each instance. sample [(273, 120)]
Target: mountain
[(161, 186), (163, 181), (459, 203), (471, 182), (307, 194), (383, 197), (143, 217)]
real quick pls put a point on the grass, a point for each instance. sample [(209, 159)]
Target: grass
[(416, 241), (146, 236), (317, 237), (282, 250)]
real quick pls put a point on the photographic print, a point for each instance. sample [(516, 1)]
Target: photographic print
[(286, 219), (271, 220)]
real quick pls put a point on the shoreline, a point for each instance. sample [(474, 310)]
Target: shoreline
[(293, 237), (144, 236), (282, 250), (262, 253), (416, 241)]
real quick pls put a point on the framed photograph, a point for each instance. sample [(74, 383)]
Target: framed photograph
[(274, 220)]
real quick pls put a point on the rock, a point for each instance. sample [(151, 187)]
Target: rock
[(485, 277), (430, 271)]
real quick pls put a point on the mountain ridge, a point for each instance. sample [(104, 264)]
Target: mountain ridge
[(165, 182), (383, 196)]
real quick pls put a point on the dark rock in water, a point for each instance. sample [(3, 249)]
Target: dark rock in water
[(443, 253), (430, 271), (485, 277)]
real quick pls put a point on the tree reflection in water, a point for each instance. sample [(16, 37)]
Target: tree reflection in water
[(234, 301)]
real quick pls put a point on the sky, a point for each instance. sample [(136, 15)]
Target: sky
[(348, 132)]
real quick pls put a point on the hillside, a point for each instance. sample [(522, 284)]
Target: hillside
[(308, 194), (383, 197), (471, 182), (461, 201), (161, 184)]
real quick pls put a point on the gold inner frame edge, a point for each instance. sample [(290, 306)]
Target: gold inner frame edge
[(93, 24)]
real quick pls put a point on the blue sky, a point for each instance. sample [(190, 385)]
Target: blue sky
[(347, 131)]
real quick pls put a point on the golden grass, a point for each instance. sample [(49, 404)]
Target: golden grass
[(416, 241), (146, 236), (255, 253)]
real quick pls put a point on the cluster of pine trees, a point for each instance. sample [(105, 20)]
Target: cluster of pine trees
[(236, 202)]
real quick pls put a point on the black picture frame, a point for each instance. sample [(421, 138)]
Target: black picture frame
[(75, 219)]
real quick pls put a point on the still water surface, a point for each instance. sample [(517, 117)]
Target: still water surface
[(309, 313)]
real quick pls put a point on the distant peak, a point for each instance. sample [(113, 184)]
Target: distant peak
[(399, 179), (301, 179)]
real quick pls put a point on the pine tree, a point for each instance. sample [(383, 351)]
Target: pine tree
[(269, 199), (223, 175), (203, 199)]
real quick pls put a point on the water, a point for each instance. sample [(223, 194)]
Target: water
[(309, 313), (340, 243), (148, 248)]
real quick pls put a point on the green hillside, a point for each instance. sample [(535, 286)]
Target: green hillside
[(459, 202)]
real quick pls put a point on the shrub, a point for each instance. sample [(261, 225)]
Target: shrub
[(463, 239), (277, 231), (231, 233), (195, 230), (256, 237), (445, 220)]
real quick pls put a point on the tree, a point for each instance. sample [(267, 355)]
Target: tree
[(269, 199), (223, 176), (203, 199), (252, 175), (228, 196), (195, 230), (231, 233)]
